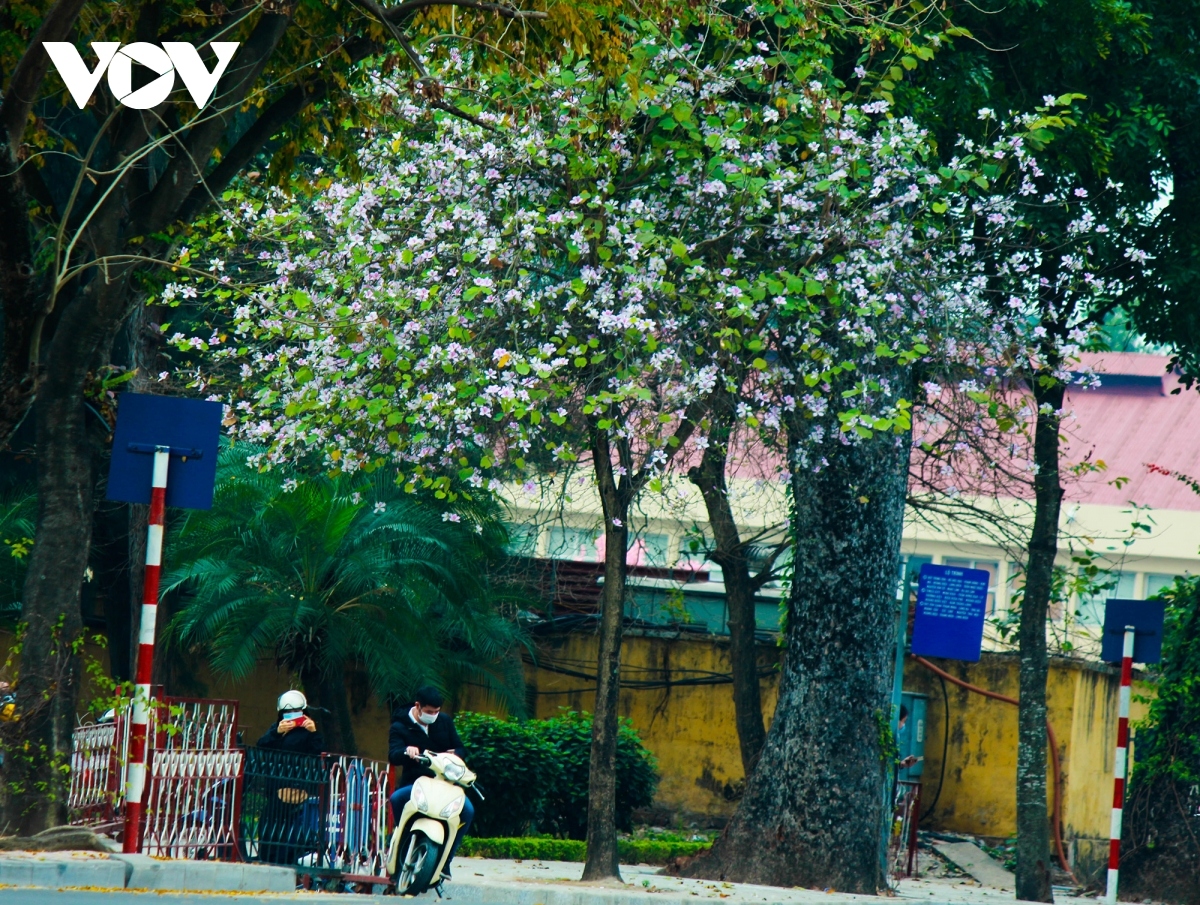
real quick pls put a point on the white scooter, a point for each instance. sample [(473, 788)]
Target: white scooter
[(428, 825)]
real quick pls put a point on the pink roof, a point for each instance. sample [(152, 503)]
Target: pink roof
[(1131, 422)]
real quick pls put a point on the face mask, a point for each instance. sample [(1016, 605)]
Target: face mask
[(293, 714), (427, 718)]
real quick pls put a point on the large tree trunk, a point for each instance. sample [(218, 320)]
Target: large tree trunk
[(47, 688), (730, 555), (1033, 824), (814, 812), (603, 861)]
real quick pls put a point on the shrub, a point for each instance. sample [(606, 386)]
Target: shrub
[(637, 851), (565, 804), (534, 774), (514, 762)]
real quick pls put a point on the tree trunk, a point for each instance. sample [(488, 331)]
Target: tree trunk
[(1033, 824), (814, 810), (603, 861), (49, 668), (730, 555)]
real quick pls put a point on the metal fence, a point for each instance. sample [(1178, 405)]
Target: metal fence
[(902, 851), (284, 802), (97, 775), (192, 804), (100, 753), (358, 817), (328, 813), (208, 798)]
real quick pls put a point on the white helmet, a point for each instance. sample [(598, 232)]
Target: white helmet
[(292, 700)]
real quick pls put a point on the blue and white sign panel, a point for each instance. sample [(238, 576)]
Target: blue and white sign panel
[(192, 430), (951, 605), (1146, 617)]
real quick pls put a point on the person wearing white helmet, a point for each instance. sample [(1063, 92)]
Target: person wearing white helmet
[(294, 730)]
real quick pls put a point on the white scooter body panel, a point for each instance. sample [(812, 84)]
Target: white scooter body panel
[(431, 828), (437, 795)]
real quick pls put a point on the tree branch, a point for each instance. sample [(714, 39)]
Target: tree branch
[(412, 7), (186, 169), (30, 71), (767, 572)]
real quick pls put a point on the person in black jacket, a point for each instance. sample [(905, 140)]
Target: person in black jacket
[(417, 728), (295, 730), (289, 825)]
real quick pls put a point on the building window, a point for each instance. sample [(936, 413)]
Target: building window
[(578, 544), (522, 540), (1091, 607), (1158, 581), (992, 568), (649, 550)]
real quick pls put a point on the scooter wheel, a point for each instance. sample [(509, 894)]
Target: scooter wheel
[(416, 874)]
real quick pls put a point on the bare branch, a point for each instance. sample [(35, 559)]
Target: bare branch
[(185, 170), (767, 572)]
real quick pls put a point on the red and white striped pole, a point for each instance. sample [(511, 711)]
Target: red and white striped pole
[(1120, 766), (135, 782)]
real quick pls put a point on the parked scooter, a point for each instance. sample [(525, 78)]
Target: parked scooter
[(429, 824)]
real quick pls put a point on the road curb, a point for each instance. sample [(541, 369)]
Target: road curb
[(64, 870), (34, 869)]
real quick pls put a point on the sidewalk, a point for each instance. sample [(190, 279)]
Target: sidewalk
[(477, 881), (95, 870), (487, 882)]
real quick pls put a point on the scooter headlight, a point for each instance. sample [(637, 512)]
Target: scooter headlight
[(454, 807), (419, 799), (454, 771)]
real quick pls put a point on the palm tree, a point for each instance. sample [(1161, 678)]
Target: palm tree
[(326, 573), (18, 505)]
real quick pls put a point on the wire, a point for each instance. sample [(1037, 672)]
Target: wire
[(1051, 738), (945, 749), (703, 678)]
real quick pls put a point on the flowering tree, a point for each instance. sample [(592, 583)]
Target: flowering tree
[(580, 279), (94, 194)]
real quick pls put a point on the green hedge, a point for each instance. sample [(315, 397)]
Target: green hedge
[(534, 774), (533, 848)]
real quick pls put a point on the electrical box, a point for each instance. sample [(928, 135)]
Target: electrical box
[(911, 738)]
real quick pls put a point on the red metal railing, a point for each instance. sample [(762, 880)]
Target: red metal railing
[(192, 804), (100, 756), (96, 775)]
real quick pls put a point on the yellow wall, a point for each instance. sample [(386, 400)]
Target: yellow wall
[(690, 728), (978, 791)]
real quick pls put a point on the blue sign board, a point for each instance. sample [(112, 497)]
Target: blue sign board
[(190, 427), (1146, 617), (951, 604)]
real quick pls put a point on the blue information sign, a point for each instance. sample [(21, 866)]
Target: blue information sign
[(951, 604), (1146, 617), (190, 427)]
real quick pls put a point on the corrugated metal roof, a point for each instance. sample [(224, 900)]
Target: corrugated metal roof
[(1130, 423)]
